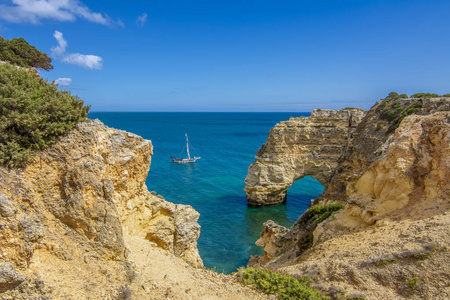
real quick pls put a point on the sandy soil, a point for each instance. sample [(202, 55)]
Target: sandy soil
[(161, 275)]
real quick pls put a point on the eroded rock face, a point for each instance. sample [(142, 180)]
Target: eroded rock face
[(271, 239), (409, 180), (304, 146), (393, 229), (71, 206)]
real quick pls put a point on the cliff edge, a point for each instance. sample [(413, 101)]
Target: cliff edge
[(79, 223), (380, 228)]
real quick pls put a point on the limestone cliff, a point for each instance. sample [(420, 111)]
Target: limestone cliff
[(304, 146), (391, 238), (68, 211)]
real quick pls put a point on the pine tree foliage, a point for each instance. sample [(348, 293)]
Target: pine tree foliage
[(18, 52), (33, 113)]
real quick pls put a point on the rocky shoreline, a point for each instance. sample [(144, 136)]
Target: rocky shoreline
[(78, 222), (380, 228)]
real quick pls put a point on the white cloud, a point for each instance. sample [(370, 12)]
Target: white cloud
[(59, 50), (33, 11), (140, 21), (85, 61), (63, 81), (82, 60)]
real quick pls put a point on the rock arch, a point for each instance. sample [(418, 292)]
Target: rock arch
[(299, 147)]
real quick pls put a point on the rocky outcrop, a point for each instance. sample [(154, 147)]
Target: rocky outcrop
[(390, 239), (304, 146), (405, 259), (68, 211)]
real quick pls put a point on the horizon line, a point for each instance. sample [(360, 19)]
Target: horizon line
[(232, 112)]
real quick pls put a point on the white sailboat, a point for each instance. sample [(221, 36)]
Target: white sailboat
[(185, 160)]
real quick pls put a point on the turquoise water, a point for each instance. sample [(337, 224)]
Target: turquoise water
[(227, 143)]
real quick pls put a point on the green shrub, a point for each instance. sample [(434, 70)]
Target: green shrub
[(395, 110), (424, 95), (412, 282), (395, 95), (306, 242), (33, 113), (320, 212), (385, 261), (18, 52), (282, 285), (422, 255), (310, 219)]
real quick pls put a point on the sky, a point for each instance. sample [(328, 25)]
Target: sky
[(237, 56)]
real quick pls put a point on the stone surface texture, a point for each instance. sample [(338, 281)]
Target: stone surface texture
[(65, 216), (303, 146), (391, 239)]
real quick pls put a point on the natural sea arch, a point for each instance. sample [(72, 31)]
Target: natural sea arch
[(268, 181), (299, 147)]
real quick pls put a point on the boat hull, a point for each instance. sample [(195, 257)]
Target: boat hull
[(185, 160)]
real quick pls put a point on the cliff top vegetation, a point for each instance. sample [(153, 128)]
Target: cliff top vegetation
[(33, 112), (394, 110), (18, 52)]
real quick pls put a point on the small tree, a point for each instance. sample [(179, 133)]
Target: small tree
[(18, 52), (33, 114)]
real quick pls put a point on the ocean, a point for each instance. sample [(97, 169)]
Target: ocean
[(227, 144)]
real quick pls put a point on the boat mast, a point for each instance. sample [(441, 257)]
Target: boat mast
[(187, 146)]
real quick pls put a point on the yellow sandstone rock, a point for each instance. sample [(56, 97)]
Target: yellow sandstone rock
[(391, 240)]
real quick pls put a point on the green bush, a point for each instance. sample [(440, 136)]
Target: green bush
[(33, 113), (412, 282), (320, 212), (306, 242), (393, 95), (18, 52), (310, 219), (395, 110), (282, 285), (425, 95)]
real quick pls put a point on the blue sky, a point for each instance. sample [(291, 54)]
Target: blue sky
[(247, 55)]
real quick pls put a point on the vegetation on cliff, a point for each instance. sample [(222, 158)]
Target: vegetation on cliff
[(18, 52), (33, 113), (282, 285), (394, 110), (309, 221), (390, 241), (319, 213)]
